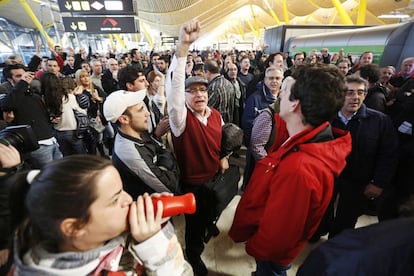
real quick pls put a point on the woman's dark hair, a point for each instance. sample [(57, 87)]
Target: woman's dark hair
[(63, 189), (68, 84), (151, 76), (371, 72), (53, 92), (320, 90)]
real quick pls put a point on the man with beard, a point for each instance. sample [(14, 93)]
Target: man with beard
[(143, 163)]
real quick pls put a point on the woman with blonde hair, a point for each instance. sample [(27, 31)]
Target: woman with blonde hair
[(96, 98)]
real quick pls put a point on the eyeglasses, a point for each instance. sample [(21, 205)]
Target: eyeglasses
[(273, 78), (194, 90), (359, 92)]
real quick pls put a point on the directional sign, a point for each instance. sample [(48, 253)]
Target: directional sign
[(97, 7), (169, 40), (101, 25)]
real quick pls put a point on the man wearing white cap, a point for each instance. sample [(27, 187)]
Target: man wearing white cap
[(143, 163)]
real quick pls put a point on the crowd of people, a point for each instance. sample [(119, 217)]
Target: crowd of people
[(332, 132)]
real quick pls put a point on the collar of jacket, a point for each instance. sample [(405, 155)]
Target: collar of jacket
[(145, 137), (215, 78), (292, 143), (268, 95), (362, 112)]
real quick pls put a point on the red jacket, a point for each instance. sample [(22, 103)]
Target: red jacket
[(288, 194)]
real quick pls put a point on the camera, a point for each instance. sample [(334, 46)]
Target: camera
[(21, 137)]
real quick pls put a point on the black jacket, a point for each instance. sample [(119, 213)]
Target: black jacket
[(386, 248), (376, 98), (5, 223), (374, 148), (109, 84), (29, 109), (144, 165)]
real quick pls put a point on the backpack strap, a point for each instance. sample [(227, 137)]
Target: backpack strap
[(272, 109)]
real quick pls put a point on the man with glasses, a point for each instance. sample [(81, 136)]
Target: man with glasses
[(196, 134), (255, 104), (370, 167)]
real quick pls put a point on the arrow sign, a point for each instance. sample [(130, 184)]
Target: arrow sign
[(97, 7), (101, 25), (111, 21), (73, 26), (68, 5)]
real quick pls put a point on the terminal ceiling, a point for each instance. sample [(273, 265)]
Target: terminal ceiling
[(225, 17)]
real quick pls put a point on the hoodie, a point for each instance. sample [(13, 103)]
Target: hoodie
[(288, 194)]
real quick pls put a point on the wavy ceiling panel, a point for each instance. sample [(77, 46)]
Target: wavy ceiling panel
[(162, 6), (242, 15)]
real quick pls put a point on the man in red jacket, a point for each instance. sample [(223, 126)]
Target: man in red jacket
[(290, 189)]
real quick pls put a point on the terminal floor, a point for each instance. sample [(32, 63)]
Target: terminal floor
[(223, 257)]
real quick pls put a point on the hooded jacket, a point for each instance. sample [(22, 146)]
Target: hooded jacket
[(288, 194), (256, 102)]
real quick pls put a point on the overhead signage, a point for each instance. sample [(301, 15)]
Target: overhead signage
[(101, 25), (169, 40), (97, 7)]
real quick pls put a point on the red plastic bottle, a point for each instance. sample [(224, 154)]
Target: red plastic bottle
[(174, 205)]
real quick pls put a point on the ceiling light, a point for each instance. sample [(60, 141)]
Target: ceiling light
[(393, 16)]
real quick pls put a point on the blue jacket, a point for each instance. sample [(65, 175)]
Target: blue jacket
[(256, 102), (374, 148)]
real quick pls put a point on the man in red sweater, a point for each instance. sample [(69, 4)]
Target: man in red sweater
[(196, 133), (291, 187)]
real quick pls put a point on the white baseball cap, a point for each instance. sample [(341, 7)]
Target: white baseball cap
[(117, 102)]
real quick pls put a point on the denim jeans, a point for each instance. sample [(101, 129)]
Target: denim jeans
[(45, 154), (69, 143), (268, 268)]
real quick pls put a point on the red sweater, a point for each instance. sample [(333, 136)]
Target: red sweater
[(198, 148)]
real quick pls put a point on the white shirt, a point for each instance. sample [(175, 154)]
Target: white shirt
[(68, 120), (175, 92)]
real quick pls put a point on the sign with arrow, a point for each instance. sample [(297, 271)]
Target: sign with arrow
[(97, 7), (101, 25)]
